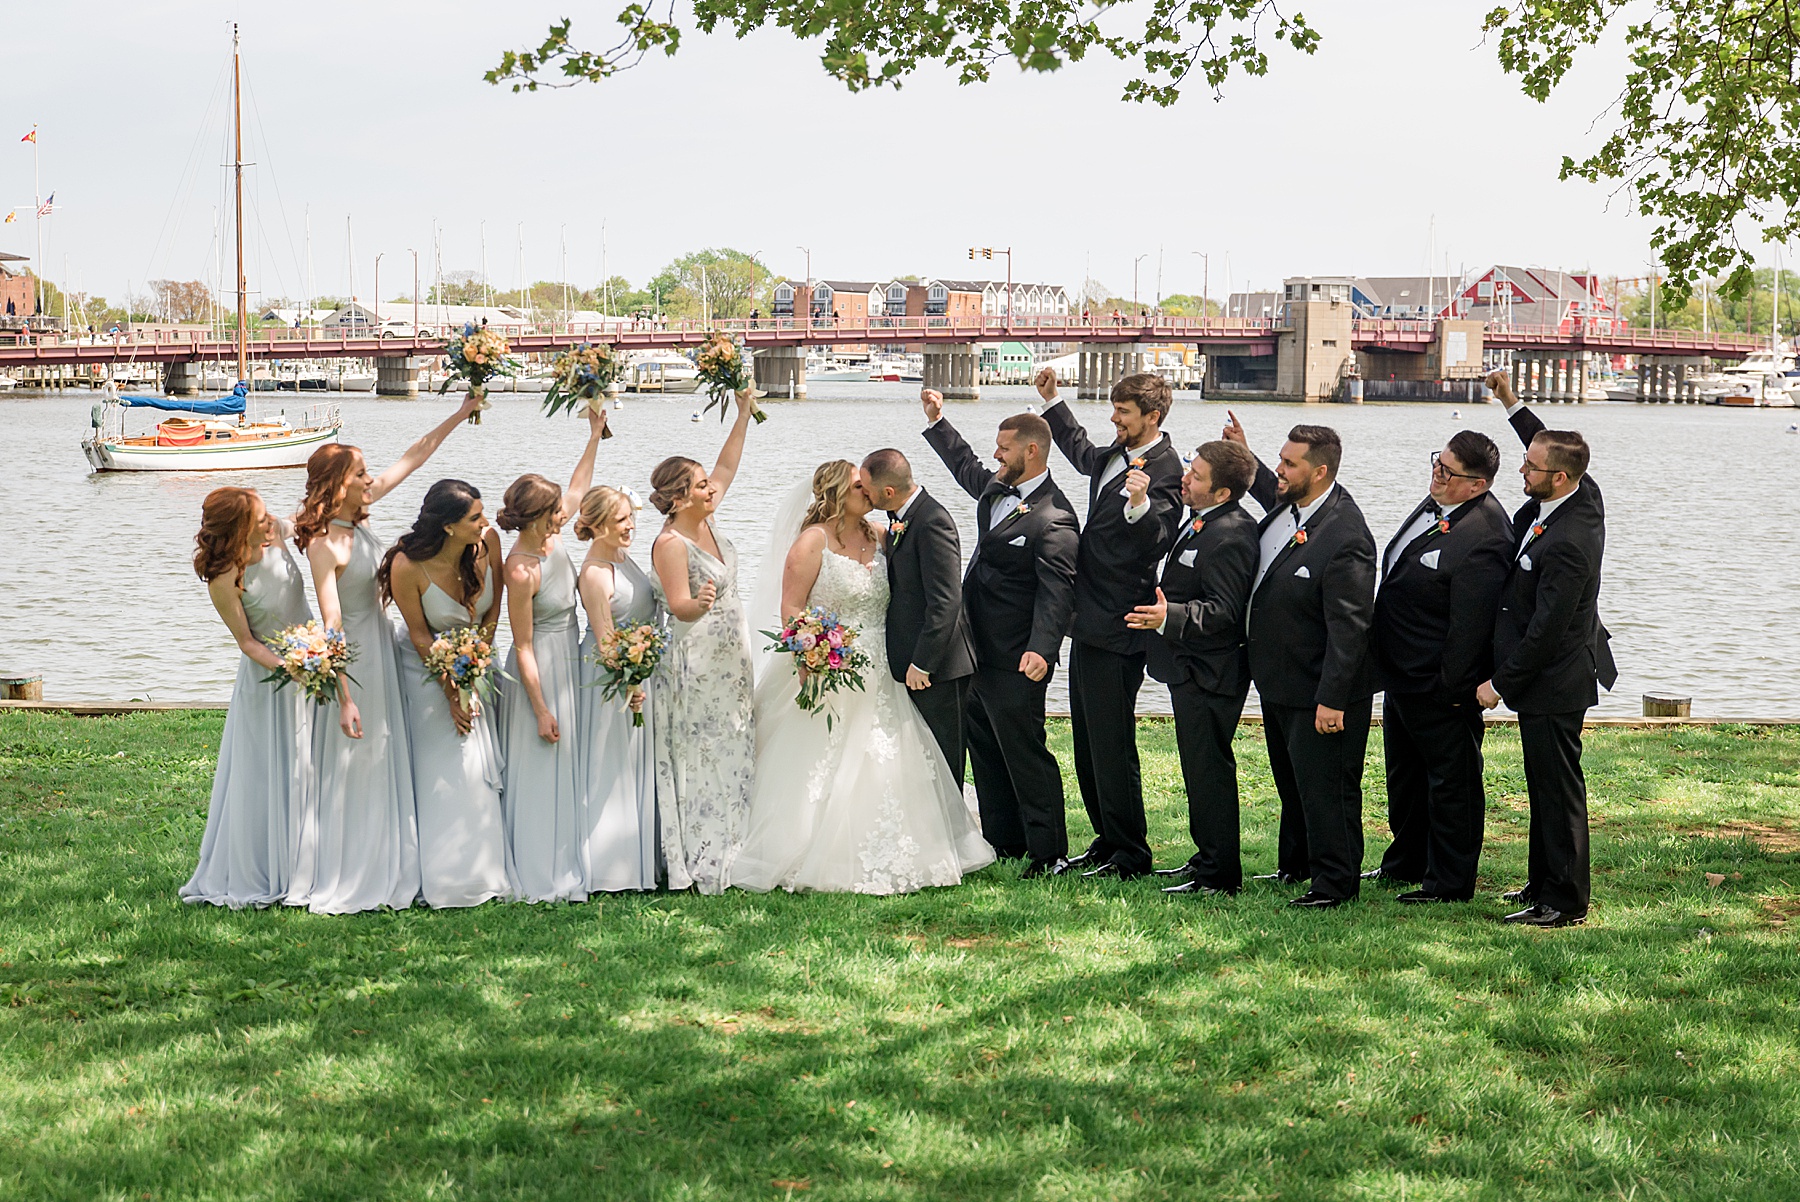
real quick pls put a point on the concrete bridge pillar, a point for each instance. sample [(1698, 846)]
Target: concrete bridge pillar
[(1097, 373), (397, 376), (954, 371), (1579, 385), (182, 379), (780, 370), (1518, 375), (1643, 380)]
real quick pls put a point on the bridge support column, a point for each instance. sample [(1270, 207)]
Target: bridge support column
[(182, 379), (1643, 380), (779, 371), (1518, 375), (1578, 367), (954, 371), (397, 376), (1681, 382), (1095, 382), (1565, 380)]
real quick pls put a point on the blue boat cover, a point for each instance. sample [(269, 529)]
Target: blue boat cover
[(217, 407)]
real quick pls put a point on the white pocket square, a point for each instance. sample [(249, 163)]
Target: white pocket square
[(1187, 557), (1016, 542), (1302, 573), (1525, 562), (1430, 558)]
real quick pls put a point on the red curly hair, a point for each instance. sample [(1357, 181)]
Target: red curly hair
[(328, 472), (229, 521)]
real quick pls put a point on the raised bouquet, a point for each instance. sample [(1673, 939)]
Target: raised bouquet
[(583, 376), (627, 655), (477, 355), (724, 372), (464, 657), (825, 654), (312, 656)]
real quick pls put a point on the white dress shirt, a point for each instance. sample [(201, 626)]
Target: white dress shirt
[(1419, 525), (1116, 466), (900, 513), (1545, 509), (1003, 505), (1276, 537)]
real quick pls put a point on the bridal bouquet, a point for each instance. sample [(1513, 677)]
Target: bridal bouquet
[(311, 657), (724, 371), (627, 655), (464, 657), (825, 654), (583, 376), (477, 355)]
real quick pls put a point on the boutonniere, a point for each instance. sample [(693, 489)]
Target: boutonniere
[(1020, 512), (1299, 539), (1198, 524), (1537, 528), (1442, 526), (895, 530), (1138, 463)]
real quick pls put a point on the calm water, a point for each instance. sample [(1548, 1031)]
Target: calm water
[(96, 591)]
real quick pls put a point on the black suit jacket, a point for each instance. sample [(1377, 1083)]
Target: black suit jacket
[(1434, 615), (1019, 591), (925, 621), (1309, 630), (1550, 647), (1116, 571), (1207, 585)]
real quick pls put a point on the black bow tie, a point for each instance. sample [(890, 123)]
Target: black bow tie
[(997, 489), (1433, 508)]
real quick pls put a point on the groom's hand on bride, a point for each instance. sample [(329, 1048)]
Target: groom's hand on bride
[(916, 679), (1033, 666), (933, 401), (1149, 617)]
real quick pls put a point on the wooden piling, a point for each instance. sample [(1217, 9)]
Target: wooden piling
[(21, 688), (1667, 705)]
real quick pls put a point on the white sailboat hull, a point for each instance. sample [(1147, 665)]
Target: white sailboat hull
[(111, 456)]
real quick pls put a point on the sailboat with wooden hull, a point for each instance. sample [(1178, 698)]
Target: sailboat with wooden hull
[(217, 434)]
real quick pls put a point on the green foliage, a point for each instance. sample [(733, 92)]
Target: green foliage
[(1707, 306), (1005, 1039), (1182, 305), (732, 282)]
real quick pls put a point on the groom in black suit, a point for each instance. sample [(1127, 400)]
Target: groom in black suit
[(1019, 593), (1126, 536), (928, 645), (1308, 632)]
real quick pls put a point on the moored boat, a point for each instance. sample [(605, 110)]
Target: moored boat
[(204, 436)]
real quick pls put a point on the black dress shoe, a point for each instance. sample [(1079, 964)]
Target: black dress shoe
[(1183, 870), (1086, 857), (1055, 867), (1517, 896), (1419, 897), (1544, 916), (1111, 871), (1381, 874), (1280, 878), (1316, 901), (1196, 887)]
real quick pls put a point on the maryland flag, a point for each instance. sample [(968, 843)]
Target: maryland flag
[(30, 137)]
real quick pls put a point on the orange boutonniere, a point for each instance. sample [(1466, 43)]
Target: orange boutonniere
[(1442, 527), (1021, 511), (1199, 525), (1537, 528), (1299, 539), (895, 530), (1138, 463)]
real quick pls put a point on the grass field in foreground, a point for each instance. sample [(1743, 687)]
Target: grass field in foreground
[(1006, 1039)]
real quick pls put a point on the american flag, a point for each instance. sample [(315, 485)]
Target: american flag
[(48, 207)]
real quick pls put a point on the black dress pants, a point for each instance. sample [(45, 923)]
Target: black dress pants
[(1103, 689), (1557, 854), (942, 706), (1017, 781), (1204, 725), (1319, 779), (1437, 806)]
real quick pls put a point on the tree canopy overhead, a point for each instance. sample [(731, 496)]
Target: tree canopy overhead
[(1703, 128)]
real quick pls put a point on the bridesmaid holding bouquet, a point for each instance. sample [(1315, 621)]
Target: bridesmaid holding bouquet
[(263, 789), (618, 788), (443, 576), (367, 849), (538, 714)]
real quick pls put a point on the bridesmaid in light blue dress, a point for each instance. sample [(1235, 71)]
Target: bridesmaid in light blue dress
[(263, 789), (705, 730), (366, 853), (618, 762), (442, 576), (541, 790)]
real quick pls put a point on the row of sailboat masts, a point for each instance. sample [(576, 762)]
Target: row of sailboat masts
[(237, 166)]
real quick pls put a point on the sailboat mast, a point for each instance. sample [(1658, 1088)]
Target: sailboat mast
[(237, 134)]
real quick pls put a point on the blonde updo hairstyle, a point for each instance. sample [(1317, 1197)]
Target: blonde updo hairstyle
[(600, 512), (831, 485), (527, 499), (671, 482)]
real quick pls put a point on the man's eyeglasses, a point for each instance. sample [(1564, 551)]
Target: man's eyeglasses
[(1532, 468), (1438, 468)]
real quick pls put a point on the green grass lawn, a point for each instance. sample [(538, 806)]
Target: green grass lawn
[(1006, 1039)]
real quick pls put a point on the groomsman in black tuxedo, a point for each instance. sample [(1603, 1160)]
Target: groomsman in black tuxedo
[(1434, 622), (1311, 608), (1550, 651), (1019, 594), (1198, 651), (1126, 536), (928, 645)]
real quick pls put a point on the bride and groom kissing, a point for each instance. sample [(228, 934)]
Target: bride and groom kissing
[(961, 663)]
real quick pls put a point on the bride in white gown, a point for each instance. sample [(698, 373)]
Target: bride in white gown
[(870, 805)]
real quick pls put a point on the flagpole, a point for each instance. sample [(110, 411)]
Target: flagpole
[(37, 201)]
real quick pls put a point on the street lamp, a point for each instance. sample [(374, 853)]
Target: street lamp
[(807, 251), (1205, 280), (415, 323), (378, 294), (1134, 277)]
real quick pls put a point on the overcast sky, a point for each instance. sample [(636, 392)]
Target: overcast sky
[(1334, 163)]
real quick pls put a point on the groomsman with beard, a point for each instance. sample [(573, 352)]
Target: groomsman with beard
[(1126, 536), (1434, 622), (928, 645), (1019, 594), (1550, 650), (1198, 651), (1311, 607)]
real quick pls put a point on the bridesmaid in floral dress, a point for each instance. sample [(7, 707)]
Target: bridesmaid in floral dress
[(263, 789), (366, 854), (538, 708), (705, 733)]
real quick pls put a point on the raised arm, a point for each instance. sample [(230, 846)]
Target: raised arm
[(582, 478), (1264, 487), (1070, 436), (725, 468), (228, 599), (415, 456), (965, 468)]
